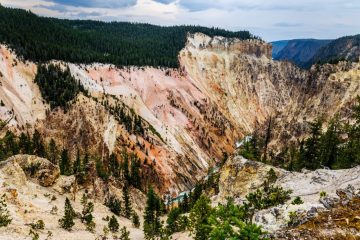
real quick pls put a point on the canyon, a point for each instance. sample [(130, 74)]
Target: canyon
[(223, 90)]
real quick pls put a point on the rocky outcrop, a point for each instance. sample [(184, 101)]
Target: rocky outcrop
[(339, 221), (39, 169), (253, 47), (239, 176)]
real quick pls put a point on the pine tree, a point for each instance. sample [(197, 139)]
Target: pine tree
[(67, 222), (184, 204), (312, 146), (113, 224), (152, 224), (25, 144), (195, 195), (175, 222), (114, 205), (86, 159), (38, 145), (135, 171), (5, 218), (125, 167), (87, 217), (199, 218), (329, 145), (11, 145), (124, 234), (101, 170), (127, 201), (53, 152), (114, 165), (135, 219), (77, 164), (65, 165)]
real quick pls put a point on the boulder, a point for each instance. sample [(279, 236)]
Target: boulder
[(64, 184), (33, 167)]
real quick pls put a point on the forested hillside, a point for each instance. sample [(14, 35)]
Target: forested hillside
[(345, 48), (121, 43)]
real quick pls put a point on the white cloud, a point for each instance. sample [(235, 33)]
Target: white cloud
[(270, 19)]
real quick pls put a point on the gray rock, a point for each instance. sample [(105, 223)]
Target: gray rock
[(329, 202)]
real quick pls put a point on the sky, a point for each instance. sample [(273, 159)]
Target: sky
[(270, 19)]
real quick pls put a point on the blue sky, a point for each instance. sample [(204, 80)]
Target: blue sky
[(269, 19)]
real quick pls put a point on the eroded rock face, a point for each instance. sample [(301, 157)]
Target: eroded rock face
[(40, 169)]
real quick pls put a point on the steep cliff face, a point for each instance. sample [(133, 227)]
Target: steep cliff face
[(245, 83), (328, 91), (19, 94)]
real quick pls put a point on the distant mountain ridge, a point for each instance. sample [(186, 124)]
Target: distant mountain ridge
[(344, 48), (306, 52), (278, 46), (298, 51)]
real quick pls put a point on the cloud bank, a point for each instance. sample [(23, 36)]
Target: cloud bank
[(269, 19)]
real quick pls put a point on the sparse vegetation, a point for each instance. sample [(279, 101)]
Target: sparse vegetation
[(268, 196), (293, 218), (124, 234), (38, 225), (34, 235)]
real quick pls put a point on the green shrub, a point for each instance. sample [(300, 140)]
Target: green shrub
[(266, 198), (323, 194), (293, 219), (5, 218), (39, 225), (297, 201)]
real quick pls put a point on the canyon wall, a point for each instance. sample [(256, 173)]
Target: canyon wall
[(223, 90)]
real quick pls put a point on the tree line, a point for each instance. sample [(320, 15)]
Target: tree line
[(42, 39)]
